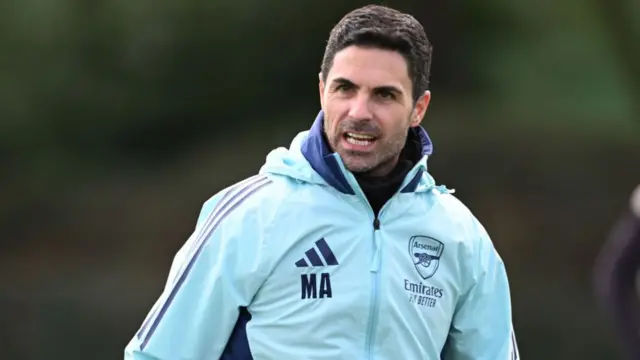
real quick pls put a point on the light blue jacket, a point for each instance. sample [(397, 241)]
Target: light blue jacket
[(292, 264)]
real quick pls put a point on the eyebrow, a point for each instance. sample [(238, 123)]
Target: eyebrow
[(344, 81)]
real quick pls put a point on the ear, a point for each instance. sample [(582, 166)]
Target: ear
[(420, 108), (321, 88)]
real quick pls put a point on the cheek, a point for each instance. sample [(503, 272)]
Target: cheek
[(391, 112), (330, 125), (394, 123), (333, 113), (397, 134)]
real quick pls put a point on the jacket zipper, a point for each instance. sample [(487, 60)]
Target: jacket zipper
[(373, 310), (375, 272)]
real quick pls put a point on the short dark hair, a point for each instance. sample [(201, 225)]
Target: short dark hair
[(385, 28)]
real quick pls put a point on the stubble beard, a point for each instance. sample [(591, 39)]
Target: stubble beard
[(379, 163)]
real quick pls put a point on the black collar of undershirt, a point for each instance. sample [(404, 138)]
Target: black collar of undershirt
[(379, 189)]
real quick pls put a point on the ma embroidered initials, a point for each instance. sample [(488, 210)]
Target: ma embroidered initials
[(314, 287)]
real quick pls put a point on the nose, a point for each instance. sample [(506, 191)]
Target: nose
[(360, 107)]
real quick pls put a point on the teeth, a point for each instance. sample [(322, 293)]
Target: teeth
[(351, 140), (360, 136)]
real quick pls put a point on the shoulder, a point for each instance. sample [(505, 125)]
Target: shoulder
[(454, 214), (450, 205), (256, 200), (461, 221), (471, 236)]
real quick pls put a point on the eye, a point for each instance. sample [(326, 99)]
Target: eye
[(343, 87), (385, 94)]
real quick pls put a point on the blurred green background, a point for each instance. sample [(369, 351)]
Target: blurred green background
[(119, 118)]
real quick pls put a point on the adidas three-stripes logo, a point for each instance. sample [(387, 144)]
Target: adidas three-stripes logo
[(316, 259)]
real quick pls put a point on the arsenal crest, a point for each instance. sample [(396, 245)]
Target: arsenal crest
[(426, 253)]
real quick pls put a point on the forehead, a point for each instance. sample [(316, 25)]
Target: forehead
[(370, 67)]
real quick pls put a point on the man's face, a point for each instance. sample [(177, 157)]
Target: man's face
[(368, 108)]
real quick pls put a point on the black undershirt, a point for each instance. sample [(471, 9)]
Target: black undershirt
[(379, 189)]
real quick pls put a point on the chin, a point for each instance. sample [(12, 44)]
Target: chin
[(353, 166), (358, 167)]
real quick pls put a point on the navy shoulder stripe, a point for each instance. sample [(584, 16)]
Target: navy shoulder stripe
[(232, 198)]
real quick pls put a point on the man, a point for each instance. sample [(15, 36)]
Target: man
[(342, 247), (616, 277)]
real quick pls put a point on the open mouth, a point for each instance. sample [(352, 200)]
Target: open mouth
[(359, 139)]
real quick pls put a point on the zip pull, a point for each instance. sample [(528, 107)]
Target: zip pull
[(375, 264)]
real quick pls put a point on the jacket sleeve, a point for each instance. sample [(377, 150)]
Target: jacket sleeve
[(212, 278), (482, 324)]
